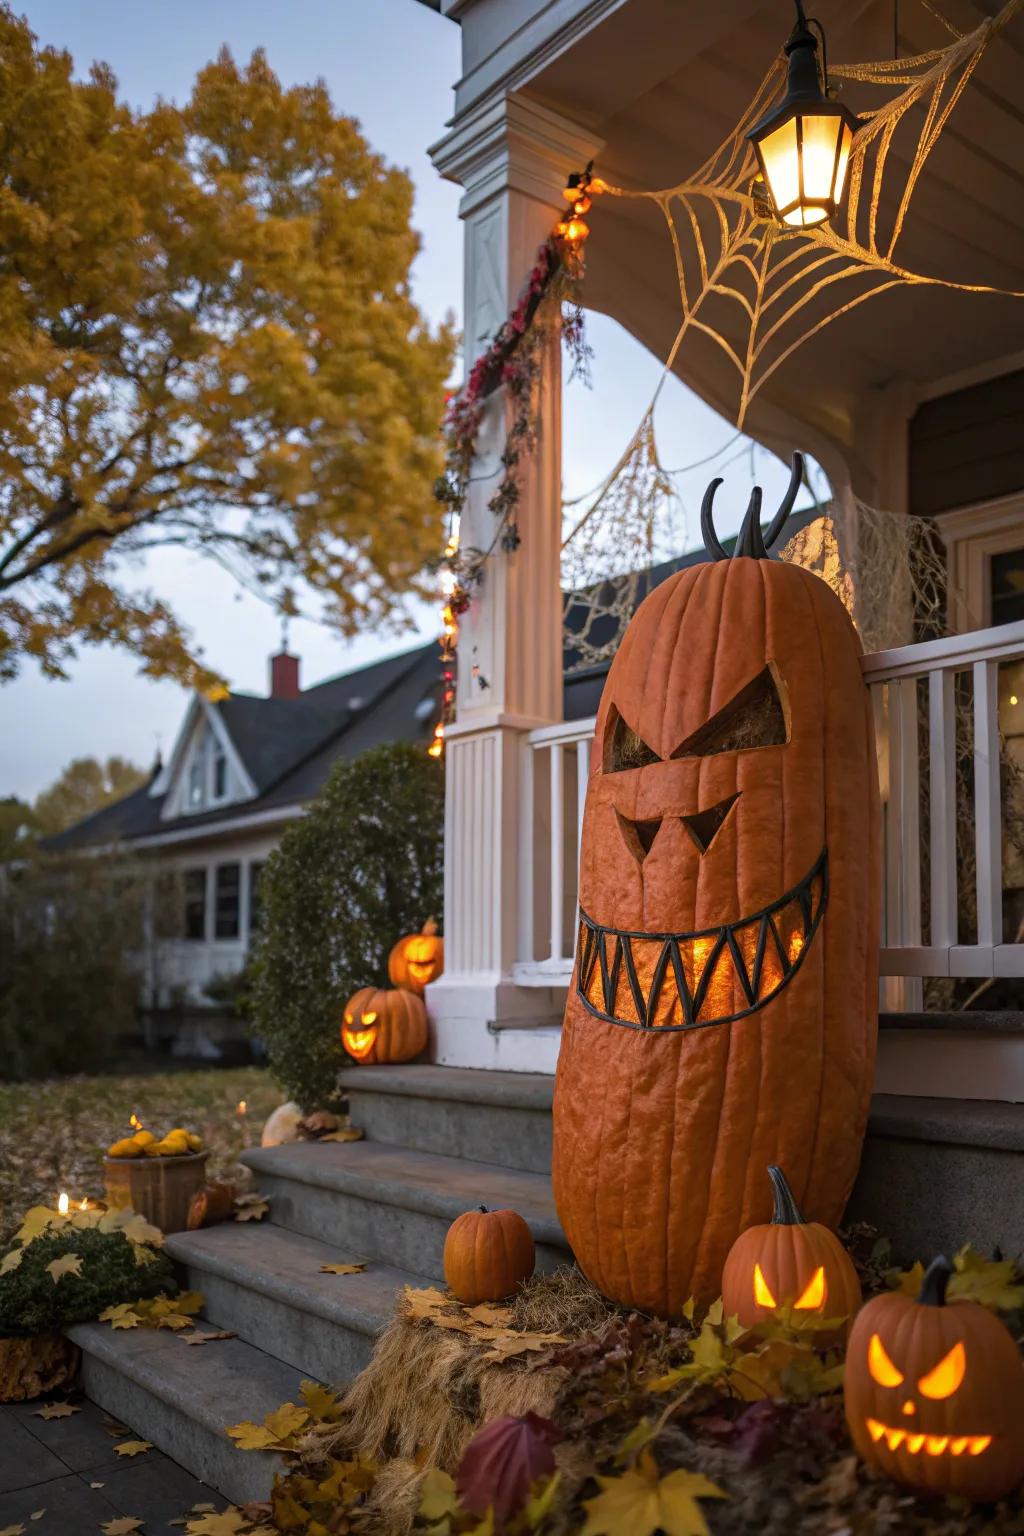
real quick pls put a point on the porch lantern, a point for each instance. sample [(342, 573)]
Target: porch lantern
[(803, 144)]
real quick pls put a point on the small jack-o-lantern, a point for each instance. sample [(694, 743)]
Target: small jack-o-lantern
[(935, 1392), (381, 1026), (418, 959), (723, 1011), (799, 1266)]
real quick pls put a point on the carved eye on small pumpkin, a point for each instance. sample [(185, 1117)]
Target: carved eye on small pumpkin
[(944, 1379), (880, 1366), (369, 1018), (813, 1295), (762, 1290)]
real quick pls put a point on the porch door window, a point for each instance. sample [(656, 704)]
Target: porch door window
[(195, 903), (228, 892)]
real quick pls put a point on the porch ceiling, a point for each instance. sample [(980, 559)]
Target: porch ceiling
[(662, 96)]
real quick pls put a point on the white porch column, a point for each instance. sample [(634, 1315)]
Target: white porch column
[(512, 157)]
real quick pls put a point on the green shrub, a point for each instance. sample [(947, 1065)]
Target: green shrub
[(31, 1301), (360, 869)]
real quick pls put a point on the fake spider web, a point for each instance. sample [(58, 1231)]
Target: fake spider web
[(773, 288)]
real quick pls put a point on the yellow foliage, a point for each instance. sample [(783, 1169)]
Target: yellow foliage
[(640, 1502)]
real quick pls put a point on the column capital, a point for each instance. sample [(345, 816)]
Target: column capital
[(513, 143)]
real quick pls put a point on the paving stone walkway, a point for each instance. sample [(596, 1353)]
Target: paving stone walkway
[(68, 1468)]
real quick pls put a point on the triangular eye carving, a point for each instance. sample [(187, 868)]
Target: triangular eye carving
[(623, 748), (754, 717), (638, 836)]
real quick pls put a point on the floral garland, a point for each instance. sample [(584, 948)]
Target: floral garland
[(512, 361)]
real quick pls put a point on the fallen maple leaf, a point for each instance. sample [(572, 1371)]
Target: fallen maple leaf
[(284, 1421), (252, 1437), (231, 1522), (438, 1500), (485, 1312), (207, 1338), (55, 1411), (13, 1530), (133, 1447), (640, 1502), (122, 1527), (347, 1133), (506, 1346), (97, 1485), (12, 1260), (121, 1316), (995, 1283), (323, 1404), (503, 1462), (342, 1269), (37, 1514), (251, 1207)]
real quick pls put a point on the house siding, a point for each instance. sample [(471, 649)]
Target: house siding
[(967, 446)]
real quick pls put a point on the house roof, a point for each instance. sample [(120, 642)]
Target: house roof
[(288, 746)]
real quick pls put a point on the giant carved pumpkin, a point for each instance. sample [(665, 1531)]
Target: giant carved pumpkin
[(383, 1026), (723, 1009), (935, 1392), (796, 1265), (418, 959)]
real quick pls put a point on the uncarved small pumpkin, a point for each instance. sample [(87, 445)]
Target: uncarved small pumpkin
[(384, 1025), (789, 1263), (935, 1392), (417, 959), (487, 1254)]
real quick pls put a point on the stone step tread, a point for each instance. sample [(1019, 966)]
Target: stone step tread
[(465, 1085), (286, 1267), (1006, 1021), (955, 1122), (214, 1386), (415, 1181)]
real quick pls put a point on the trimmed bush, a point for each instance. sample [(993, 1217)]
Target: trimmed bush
[(364, 866), (32, 1302)]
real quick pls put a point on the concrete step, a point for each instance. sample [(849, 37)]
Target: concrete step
[(488, 1117), (266, 1285), (394, 1204), (182, 1398), (973, 1055), (937, 1173)]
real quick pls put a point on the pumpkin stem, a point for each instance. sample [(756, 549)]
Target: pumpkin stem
[(933, 1286), (482, 1209), (429, 927), (786, 1212)]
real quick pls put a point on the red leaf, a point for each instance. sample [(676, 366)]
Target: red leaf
[(501, 1464)]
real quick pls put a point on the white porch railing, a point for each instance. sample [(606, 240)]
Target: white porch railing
[(957, 676)]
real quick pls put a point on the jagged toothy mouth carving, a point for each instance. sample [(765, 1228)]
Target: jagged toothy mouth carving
[(933, 1445), (674, 981)]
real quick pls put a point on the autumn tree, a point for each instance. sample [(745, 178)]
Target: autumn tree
[(207, 340), (84, 786)]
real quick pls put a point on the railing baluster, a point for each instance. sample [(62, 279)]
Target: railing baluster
[(942, 808), (557, 835), (908, 779), (527, 849), (987, 820)]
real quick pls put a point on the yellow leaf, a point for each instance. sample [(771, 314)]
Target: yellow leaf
[(175, 1320), (993, 1283), (437, 1495), (252, 1437), (11, 1261), (124, 1526), (640, 1503), (132, 1447), (70, 1264), (121, 1316), (635, 1441), (323, 1404), (342, 1269), (908, 1283), (485, 1312), (231, 1523), (347, 1133), (135, 1227), (286, 1420), (36, 1221), (55, 1411), (541, 1501), (207, 1338), (13, 1530), (251, 1208)]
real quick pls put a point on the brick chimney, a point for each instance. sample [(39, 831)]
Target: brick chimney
[(284, 676)]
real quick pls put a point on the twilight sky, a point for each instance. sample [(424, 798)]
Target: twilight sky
[(391, 65)]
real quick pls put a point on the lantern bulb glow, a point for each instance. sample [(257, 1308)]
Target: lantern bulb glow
[(242, 1107)]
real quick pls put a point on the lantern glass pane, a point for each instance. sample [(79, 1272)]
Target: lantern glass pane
[(782, 164), (820, 135), (843, 164)]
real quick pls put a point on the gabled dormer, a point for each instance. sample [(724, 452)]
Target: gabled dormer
[(205, 772)]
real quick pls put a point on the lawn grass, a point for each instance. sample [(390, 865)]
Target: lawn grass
[(53, 1134)]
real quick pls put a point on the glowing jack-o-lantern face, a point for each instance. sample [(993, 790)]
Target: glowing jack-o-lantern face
[(384, 1026), (935, 1392), (418, 959), (790, 1266), (723, 1010)]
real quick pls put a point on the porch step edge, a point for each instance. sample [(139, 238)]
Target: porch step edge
[(952, 1122), (464, 1085), (1009, 1021)]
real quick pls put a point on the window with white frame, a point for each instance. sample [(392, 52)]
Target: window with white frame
[(206, 774)]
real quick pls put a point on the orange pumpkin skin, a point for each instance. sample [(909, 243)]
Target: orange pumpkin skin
[(384, 1026), (417, 959), (951, 1418), (487, 1254), (790, 1263), (661, 1135)]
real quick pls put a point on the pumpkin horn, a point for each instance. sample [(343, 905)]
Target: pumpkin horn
[(933, 1286), (786, 1212), (786, 505), (707, 527), (750, 541)]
